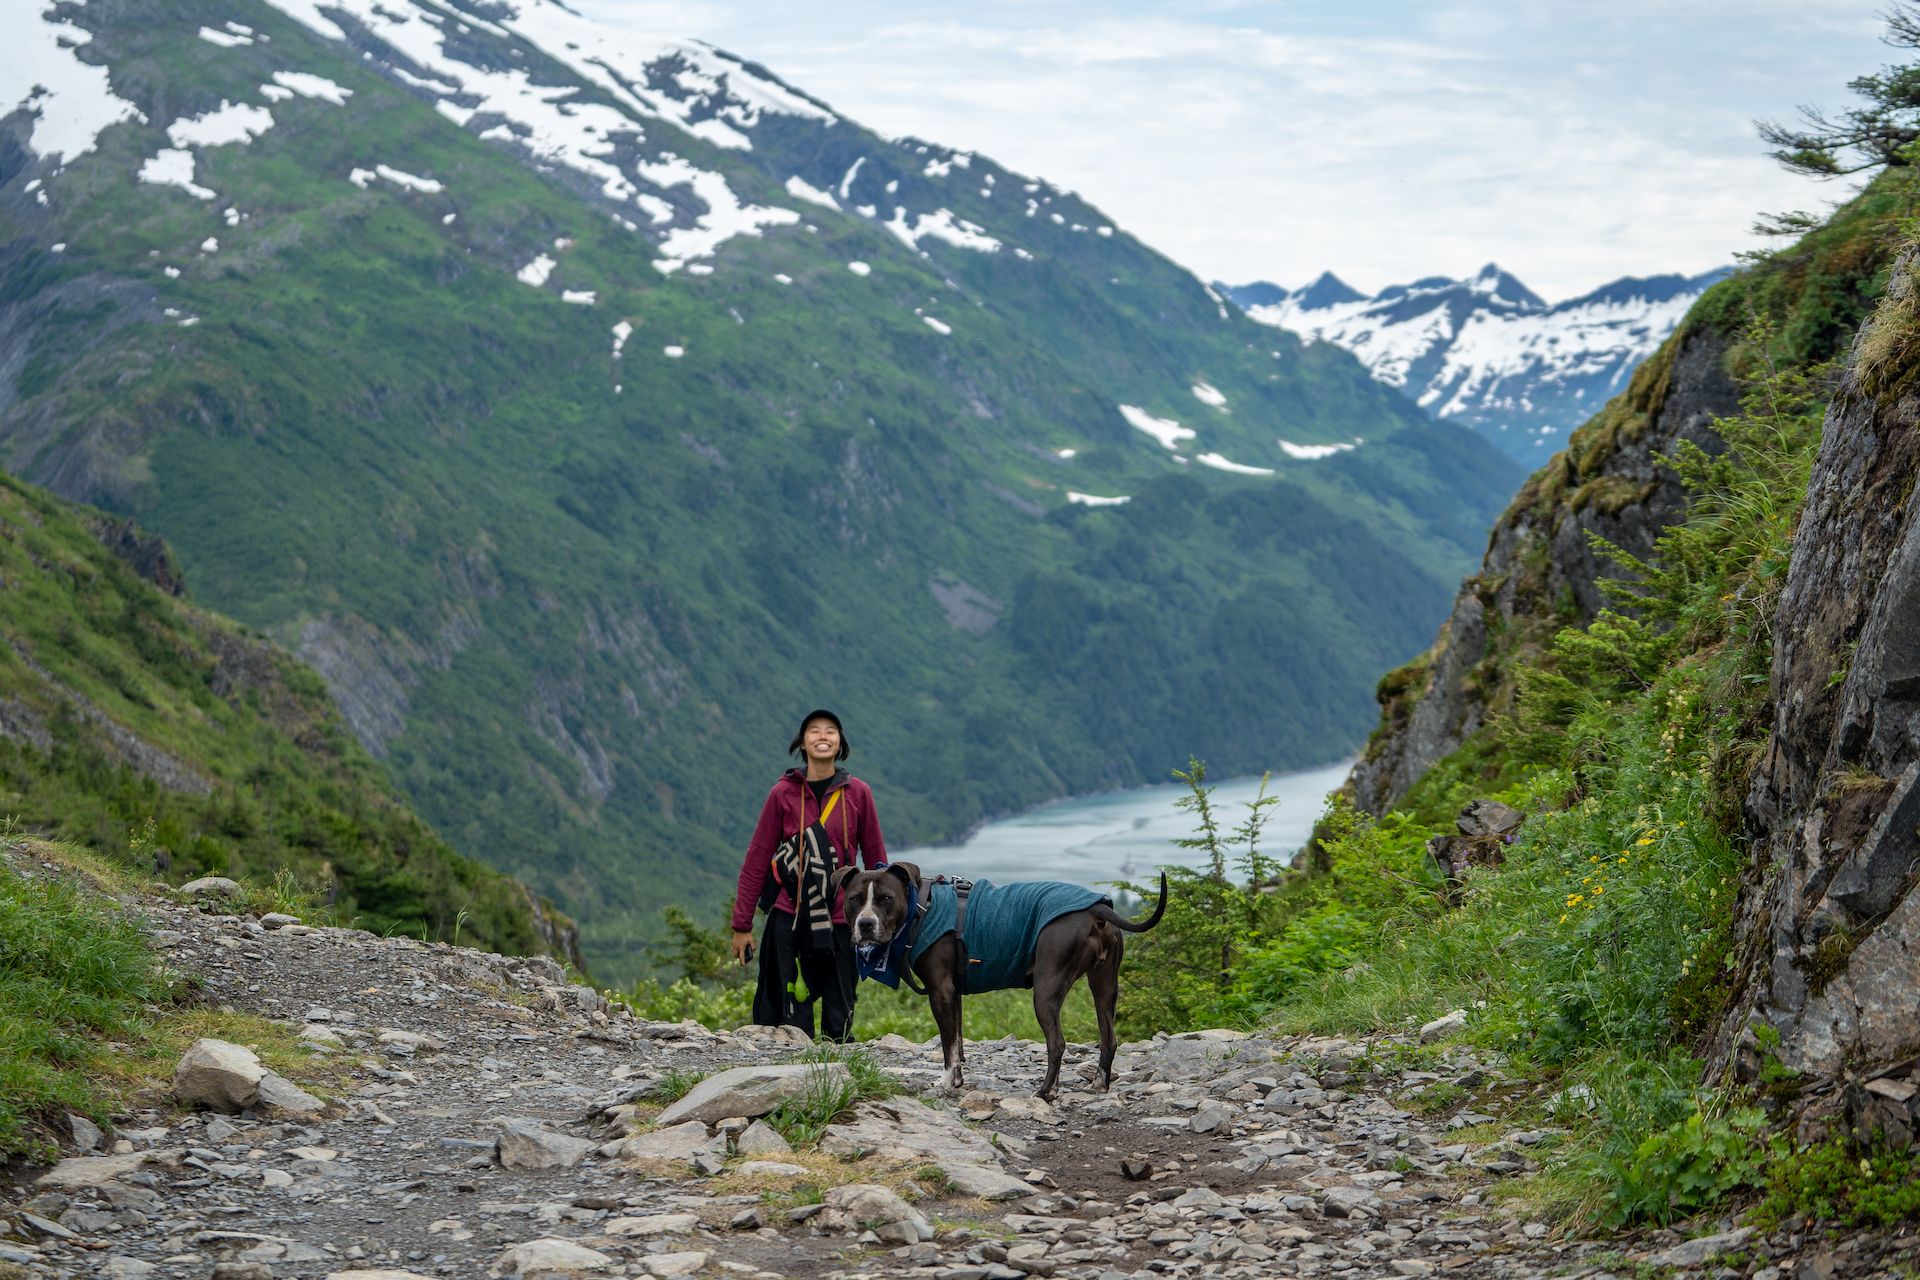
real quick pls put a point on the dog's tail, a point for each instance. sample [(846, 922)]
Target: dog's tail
[(1102, 911)]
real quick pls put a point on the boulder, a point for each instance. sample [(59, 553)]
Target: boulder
[(525, 1143), (761, 1139), (95, 1171), (279, 1096), (548, 1255), (676, 1143), (86, 1134), (210, 887), (1444, 1025), (865, 1205), (1489, 818), (981, 1182), (905, 1128), (218, 1075), (751, 1091)]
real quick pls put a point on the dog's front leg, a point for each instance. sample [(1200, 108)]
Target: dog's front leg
[(946, 1015)]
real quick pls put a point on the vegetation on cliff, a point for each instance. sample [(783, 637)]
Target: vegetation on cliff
[(178, 743)]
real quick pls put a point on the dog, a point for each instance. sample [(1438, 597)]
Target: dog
[(1084, 942)]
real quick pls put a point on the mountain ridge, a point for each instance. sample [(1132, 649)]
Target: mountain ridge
[(1487, 351)]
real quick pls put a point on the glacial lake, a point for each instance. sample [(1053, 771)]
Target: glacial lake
[(1126, 835)]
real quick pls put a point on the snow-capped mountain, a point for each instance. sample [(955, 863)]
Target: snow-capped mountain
[(1488, 352)]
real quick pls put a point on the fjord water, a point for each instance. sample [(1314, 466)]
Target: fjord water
[(1126, 835)]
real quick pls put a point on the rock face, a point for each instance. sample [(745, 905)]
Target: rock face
[(1540, 571), (1829, 930)]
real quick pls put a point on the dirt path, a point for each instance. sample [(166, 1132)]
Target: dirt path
[(1215, 1154)]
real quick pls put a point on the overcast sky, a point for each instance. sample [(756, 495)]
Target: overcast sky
[(1572, 142)]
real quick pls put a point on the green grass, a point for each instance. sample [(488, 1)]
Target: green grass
[(76, 981), (830, 1096)]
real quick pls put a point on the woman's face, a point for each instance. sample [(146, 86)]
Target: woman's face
[(821, 738)]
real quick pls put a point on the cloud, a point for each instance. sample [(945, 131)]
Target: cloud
[(1573, 144)]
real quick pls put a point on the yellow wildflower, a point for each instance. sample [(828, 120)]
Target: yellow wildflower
[(1644, 840), (1575, 899), (1563, 919)]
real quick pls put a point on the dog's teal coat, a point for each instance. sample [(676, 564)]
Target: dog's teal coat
[(1003, 926)]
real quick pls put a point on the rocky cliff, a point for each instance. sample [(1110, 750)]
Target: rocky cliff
[(1829, 930), (1541, 571)]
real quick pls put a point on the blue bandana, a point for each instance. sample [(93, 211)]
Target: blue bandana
[(886, 964)]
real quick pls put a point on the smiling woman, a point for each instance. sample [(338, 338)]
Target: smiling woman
[(817, 819)]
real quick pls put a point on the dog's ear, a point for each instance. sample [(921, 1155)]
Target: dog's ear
[(907, 872), (843, 877)]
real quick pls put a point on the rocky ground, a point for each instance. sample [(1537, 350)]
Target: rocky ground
[(479, 1116)]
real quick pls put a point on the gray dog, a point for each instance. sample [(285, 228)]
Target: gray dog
[(1044, 935)]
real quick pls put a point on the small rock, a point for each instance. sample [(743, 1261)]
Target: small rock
[(761, 1139), (655, 1224), (241, 1271), (218, 1075), (866, 1203), (771, 1169), (981, 1182), (278, 1096), (548, 1255), (86, 1134), (674, 1264), (525, 1144), (277, 920), (210, 887), (1691, 1253), (1444, 1025), (749, 1091), (1350, 1202), (120, 1267)]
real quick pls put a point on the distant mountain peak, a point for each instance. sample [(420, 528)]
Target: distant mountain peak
[(1487, 351), (1328, 290)]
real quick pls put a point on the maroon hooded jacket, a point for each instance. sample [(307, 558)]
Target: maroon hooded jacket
[(853, 827)]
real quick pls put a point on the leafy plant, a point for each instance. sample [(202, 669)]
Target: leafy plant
[(1837, 1181)]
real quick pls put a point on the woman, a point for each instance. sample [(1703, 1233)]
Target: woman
[(816, 955)]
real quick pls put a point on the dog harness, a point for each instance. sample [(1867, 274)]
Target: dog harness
[(998, 937)]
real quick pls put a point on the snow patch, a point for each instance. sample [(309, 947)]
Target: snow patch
[(846, 183), (860, 268), (534, 273), (941, 224), (225, 39), (621, 332), (783, 277), (1207, 393), (1310, 452), (1168, 432), (172, 168), (308, 85), (1219, 463), (939, 327), (210, 245), (579, 297), (724, 219), (1095, 500), (71, 101), (673, 353), (1065, 453), (227, 123), (799, 187)]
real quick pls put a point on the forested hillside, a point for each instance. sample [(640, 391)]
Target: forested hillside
[(182, 745), (585, 406)]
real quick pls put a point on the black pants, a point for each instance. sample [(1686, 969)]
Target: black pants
[(829, 977)]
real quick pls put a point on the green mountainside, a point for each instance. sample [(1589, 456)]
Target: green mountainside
[(138, 724), (585, 408)]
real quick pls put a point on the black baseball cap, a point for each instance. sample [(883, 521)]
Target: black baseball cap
[(819, 713)]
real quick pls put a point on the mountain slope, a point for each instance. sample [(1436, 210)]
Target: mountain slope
[(584, 407), (1488, 352), (126, 711)]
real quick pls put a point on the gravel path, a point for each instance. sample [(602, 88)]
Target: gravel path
[(1215, 1154)]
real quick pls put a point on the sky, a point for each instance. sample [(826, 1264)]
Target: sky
[(1573, 142)]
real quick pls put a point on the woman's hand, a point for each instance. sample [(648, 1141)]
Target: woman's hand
[(742, 946)]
